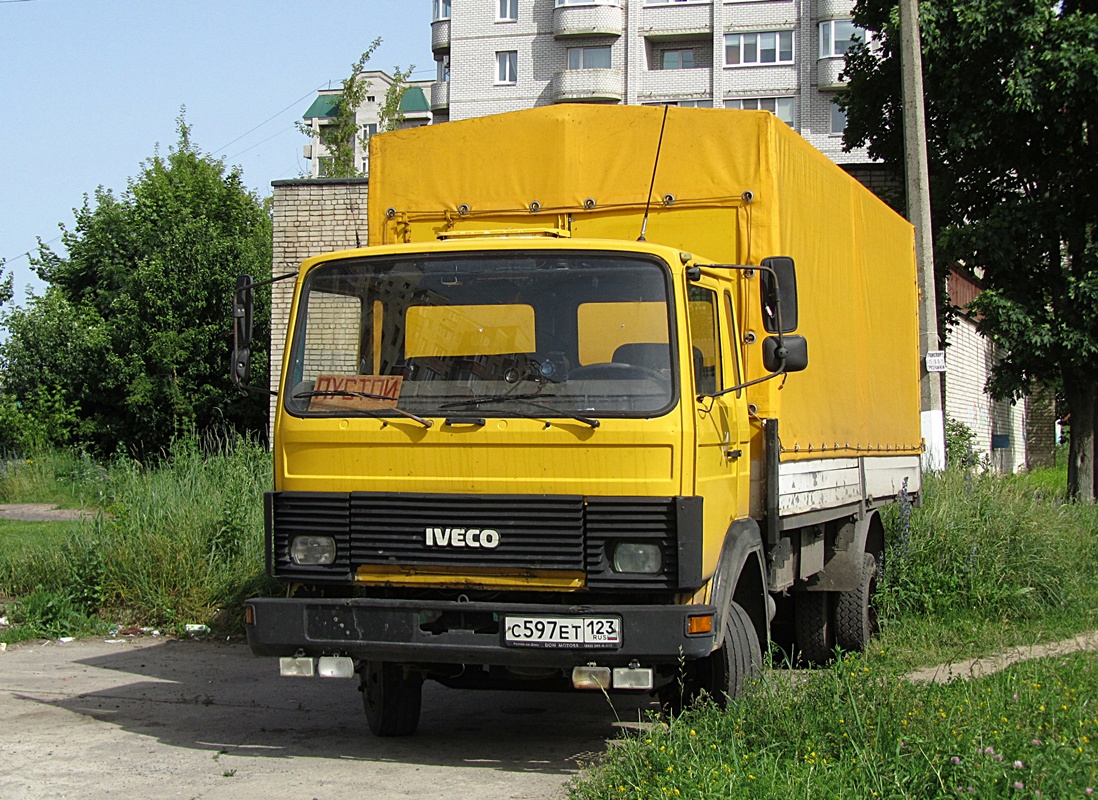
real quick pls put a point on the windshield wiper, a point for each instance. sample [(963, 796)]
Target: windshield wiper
[(426, 423), (527, 398)]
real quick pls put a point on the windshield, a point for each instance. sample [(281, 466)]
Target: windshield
[(494, 334)]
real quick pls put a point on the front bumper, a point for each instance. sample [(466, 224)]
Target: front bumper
[(448, 632)]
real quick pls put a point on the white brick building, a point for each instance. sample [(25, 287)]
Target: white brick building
[(1007, 436), (784, 56)]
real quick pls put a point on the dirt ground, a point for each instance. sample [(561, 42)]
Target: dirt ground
[(42, 512), (154, 717)]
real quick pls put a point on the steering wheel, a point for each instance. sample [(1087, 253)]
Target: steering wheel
[(615, 370)]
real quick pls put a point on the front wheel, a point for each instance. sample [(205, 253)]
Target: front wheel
[(723, 673), (392, 698)]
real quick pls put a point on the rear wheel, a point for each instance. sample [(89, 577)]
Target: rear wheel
[(391, 697), (814, 629), (855, 615)]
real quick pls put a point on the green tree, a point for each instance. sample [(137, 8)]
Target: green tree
[(1012, 111), (129, 345), (340, 136), (6, 289)]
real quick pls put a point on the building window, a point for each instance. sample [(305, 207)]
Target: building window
[(838, 119), (773, 47), (677, 59), (440, 9), (588, 2), (507, 66), (781, 107), (508, 10), (663, 2), (836, 36), (369, 130), (442, 74), (588, 58)]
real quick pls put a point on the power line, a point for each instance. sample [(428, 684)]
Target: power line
[(257, 144), (264, 122)]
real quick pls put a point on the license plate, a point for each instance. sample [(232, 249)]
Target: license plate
[(601, 632)]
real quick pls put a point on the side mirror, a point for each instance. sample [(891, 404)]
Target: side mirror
[(788, 354), (243, 304), (778, 285)]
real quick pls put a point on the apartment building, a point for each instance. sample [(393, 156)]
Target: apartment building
[(414, 109), (783, 56)]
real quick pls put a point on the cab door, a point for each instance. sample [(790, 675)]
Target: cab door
[(720, 425)]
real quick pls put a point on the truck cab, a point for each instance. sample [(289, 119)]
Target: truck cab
[(508, 460)]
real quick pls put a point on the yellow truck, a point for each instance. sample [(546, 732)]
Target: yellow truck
[(557, 426)]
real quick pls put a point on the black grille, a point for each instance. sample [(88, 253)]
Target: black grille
[(533, 532), (543, 532)]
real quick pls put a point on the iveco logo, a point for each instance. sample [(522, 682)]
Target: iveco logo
[(462, 537)]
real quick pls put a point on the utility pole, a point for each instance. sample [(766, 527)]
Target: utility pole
[(918, 213)]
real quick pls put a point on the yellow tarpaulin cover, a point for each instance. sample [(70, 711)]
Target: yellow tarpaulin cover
[(588, 169)]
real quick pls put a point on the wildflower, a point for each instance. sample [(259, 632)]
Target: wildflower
[(1019, 785), (1036, 743), (1018, 765), (693, 732), (989, 751), (955, 760)]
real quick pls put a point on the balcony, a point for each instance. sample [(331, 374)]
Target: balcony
[(440, 96), (674, 21), (828, 9), (827, 74), (594, 20), (440, 36), (676, 84), (588, 85)]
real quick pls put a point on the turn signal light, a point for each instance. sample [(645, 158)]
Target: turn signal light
[(695, 626)]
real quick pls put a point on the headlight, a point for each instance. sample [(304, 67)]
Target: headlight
[(632, 557), (312, 550)]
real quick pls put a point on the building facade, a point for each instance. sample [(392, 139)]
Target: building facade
[(414, 109), (784, 56)]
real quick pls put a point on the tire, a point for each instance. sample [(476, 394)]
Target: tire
[(391, 698), (855, 615), (814, 631), (722, 674)]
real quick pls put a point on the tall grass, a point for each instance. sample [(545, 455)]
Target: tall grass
[(179, 542), (999, 547)]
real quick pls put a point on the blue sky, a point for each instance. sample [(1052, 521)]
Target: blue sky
[(90, 88)]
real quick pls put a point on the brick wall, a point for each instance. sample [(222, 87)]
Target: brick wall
[(310, 217)]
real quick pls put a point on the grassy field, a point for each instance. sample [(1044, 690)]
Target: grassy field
[(857, 730), (24, 538)]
